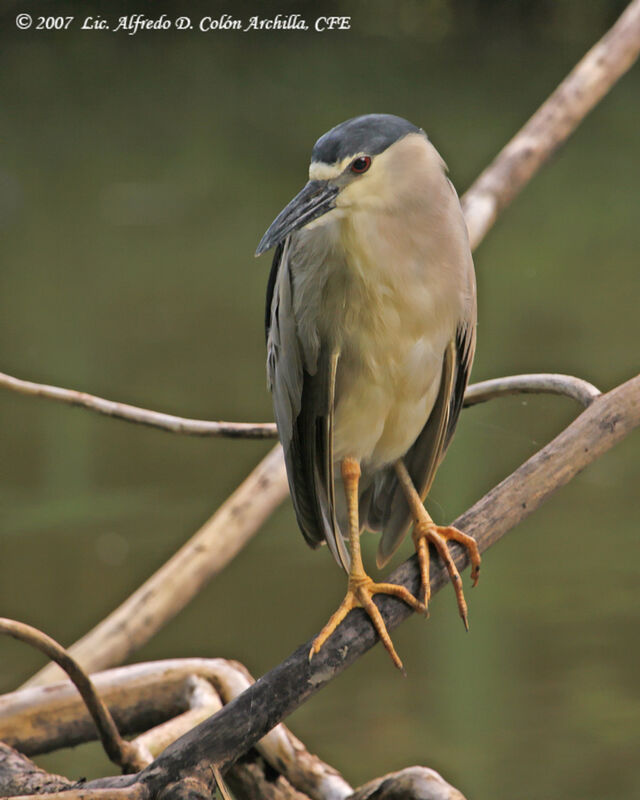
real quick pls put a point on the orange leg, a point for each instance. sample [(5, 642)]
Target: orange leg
[(425, 530), (361, 587)]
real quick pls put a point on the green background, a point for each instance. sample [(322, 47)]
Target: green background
[(137, 175)]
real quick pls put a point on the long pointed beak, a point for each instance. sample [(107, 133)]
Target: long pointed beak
[(312, 202)]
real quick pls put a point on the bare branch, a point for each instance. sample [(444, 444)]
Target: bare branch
[(542, 383), (174, 696), (41, 719), (477, 393), (552, 124), (121, 752), (203, 701), (414, 783), (142, 416), (131, 690), (19, 774), (256, 781), (179, 772)]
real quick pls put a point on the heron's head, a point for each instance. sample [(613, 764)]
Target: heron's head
[(369, 162)]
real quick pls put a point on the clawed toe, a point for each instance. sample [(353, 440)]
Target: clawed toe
[(425, 532), (360, 594)]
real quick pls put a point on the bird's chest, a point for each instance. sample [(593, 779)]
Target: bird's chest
[(390, 319), (387, 312)]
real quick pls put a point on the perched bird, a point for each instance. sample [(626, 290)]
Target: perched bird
[(370, 324)]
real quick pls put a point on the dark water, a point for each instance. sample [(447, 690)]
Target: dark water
[(136, 177)]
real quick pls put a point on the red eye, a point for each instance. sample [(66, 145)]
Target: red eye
[(360, 164)]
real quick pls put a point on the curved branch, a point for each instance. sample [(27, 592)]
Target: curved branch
[(542, 383), (413, 783), (121, 752)]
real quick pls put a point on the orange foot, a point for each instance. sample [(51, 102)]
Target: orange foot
[(426, 531), (360, 592)]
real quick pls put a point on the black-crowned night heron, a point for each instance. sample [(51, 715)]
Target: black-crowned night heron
[(370, 320)]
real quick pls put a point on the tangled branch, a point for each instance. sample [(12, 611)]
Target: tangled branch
[(182, 693)]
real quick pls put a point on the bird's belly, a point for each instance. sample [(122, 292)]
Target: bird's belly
[(383, 403)]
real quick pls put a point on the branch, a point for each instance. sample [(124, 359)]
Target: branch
[(136, 792), (414, 783), (40, 720), (121, 752), (542, 383), (142, 416), (173, 696), (19, 775), (536, 384), (221, 739)]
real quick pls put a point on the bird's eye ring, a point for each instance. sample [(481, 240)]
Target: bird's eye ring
[(360, 164)]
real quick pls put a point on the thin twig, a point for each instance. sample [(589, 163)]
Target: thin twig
[(542, 383), (222, 787), (121, 752), (477, 393), (142, 416)]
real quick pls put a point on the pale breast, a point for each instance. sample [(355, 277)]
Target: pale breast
[(395, 321)]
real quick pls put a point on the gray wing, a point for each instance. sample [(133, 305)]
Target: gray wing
[(303, 387), (384, 506)]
